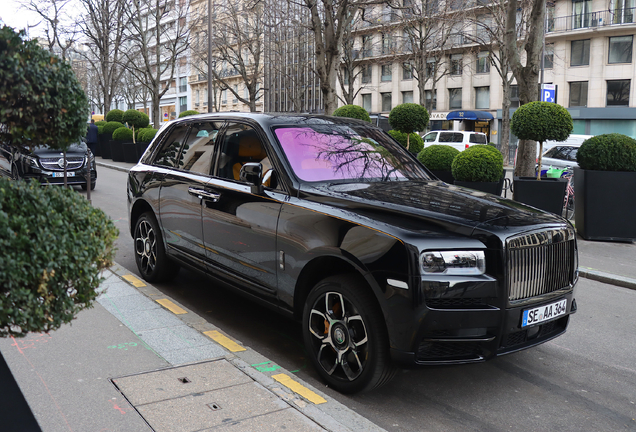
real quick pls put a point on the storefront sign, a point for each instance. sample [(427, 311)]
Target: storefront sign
[(438, 115)]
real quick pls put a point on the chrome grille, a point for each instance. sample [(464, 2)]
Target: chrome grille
[(540, 263), (57, 164)]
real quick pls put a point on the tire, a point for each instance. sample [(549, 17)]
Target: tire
[(348, 346), (93, 184), (150, 253)]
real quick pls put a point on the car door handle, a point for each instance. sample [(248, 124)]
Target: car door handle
[(203, 194)]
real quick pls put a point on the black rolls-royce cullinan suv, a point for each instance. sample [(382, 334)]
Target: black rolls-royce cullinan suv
[(332, 222)]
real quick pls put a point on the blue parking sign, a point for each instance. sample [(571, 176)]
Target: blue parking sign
[(548, 93)]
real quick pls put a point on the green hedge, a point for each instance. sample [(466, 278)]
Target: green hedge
[(123, 134), (609, 152), (55, 244), (188, 113), (478, 163), (100, 123), (352, 111), (438, 157), (115, 115), (416, 143), (147, 134), (110, 127)]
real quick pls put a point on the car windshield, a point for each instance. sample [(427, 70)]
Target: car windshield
[(329, 153)]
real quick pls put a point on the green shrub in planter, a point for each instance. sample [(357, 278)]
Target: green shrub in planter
[(123, 134), (188, 113), (110, 127), (100, 129), (609, 152), (115, 115), (478, 164), (100, 123), (147, 134), (438, 157), (54, 243), (408, 118), (352, 111), (417, 143)]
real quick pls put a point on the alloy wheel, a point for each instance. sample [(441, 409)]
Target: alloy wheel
[(146, 247)]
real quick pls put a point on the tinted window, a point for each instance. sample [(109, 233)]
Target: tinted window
[(198, 149), (168, 155), (450, 137), (478, 139), (551, 152)]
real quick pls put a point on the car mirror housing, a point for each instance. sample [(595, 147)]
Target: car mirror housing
[(251, 173)]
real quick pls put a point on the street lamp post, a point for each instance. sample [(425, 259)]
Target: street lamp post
[(209, 56)]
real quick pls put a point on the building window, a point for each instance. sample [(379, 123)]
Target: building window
[(246, 93), (345, 76), (514, 96), (483, 62), (456, 64), (430, 68), (622, 11), (548, 56), (407, 97), (183, 103), (482, 97), (388, 46), (431, 100), (581, 12), (618, 92), (224, 96), (455, 98), (367, 46), (620, 49), (578, 94), (367, 74), (387, 72), (386, 101), (407, 71), (234, 94), (183, 84), (197, 97), (580, 55), (366, 101)]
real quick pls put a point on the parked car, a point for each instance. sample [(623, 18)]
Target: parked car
[(461, 140), (331, 221), (573, 139), (47, 165), (560, 156)]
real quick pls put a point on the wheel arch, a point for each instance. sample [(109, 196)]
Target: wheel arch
[(138, 208)]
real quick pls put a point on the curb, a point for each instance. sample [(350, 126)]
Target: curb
[(607, 278), (111, 166)]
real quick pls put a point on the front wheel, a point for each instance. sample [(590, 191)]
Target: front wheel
[(345, 335), (150, 254)]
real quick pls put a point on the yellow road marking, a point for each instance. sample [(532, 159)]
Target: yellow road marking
[(299, 388), (224, 340), (171, 307), (134, 281)]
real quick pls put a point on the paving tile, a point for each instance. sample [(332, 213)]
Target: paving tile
[(152, 319), (131, 303), (119, 289), (288, 420), (191, 355)]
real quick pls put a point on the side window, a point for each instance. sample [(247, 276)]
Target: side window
[(477, 139), (551, 152), (572, 154), (168, 155), (240, 145), (458, 137), (197, 152), (430, 137), (446, 137)]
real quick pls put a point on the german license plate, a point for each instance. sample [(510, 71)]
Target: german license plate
[(544, 313), (61, 174)]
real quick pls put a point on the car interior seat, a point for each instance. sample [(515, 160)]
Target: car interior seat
[(250, 149)]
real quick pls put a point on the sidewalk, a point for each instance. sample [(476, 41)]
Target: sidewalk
[(139, 362)]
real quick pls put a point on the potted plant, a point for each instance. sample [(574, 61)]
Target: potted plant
[(135, 120), (105, 144), (188, 113), (541, 121), (352, 111), (439, 159), (145, 136), (120, 136), (479, 167), (416, 142), (408, 118), (100, 131), (115, 115), (605, 184)]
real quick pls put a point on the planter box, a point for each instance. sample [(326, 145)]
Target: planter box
[(117, 151), (605, 205), (130, 152), (445, 176), (494, 188), (104, 146), (546, 194), (141, 148)]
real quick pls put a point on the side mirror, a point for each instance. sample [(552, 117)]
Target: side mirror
[(251, 173)]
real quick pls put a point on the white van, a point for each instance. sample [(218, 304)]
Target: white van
[(461, 140), (571, 140)]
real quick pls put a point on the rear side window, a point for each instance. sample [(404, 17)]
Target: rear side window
[(478, 139), (168, 155), (450, 137), (430, 137)]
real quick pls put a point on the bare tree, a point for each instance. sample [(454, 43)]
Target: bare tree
[(103, 27), (352, 55), (199, 64), (158, 34), (60, 29)]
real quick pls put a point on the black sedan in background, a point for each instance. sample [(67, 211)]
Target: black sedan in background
[(47, 165), (331, 221)]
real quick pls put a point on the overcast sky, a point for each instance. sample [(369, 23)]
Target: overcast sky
[(19, 18)]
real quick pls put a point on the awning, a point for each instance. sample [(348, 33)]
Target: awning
[(469, 115)]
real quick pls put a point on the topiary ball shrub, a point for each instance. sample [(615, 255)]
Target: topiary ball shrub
[(100, 130), (352, 111), (110, 127), (55, 244), (132, 118), (188, 113), (478, 164), (409, 117), (541, 121), (115, 115), (438, 157), (416, 143), (100, 123), (147, 134), (123, 134), (609, 152)]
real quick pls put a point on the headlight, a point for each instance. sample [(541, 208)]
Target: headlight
[(454, 262), (31, 161)]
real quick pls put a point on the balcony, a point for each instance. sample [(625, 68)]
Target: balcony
[(590, 20)]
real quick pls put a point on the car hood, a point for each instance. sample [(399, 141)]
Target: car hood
[(436, 203), (73, 150)]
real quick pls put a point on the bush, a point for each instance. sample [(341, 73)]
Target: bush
[(188, 113), (123, 134), (110, 127), (100, 129), (147, 134), (609, 152), (541, 121), (438, 157), (100, 123), (352, 111), (416, 143), (478, 163), (135, 119), (408, 118), (54, 243), (115, 115)]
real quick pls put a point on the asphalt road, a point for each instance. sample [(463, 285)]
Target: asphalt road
[(584, 380)]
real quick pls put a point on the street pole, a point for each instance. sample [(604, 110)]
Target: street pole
[(210, 56)]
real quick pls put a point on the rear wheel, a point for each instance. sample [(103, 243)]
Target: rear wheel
[(150, 254), (93, 184), (345, 335)]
